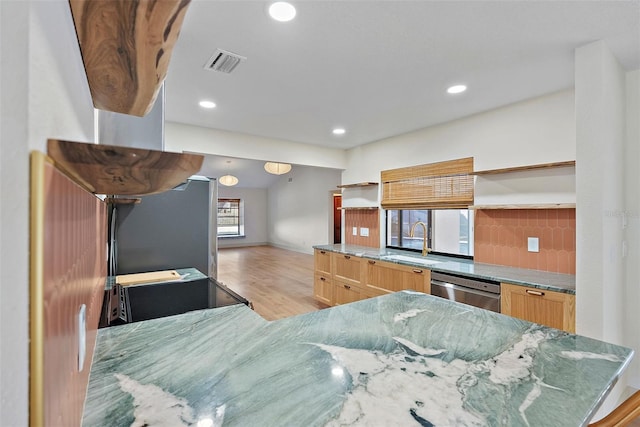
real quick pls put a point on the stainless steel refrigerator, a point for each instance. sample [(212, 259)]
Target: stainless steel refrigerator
[(166, 231)]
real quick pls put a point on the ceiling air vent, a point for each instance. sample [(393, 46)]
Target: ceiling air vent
[(223, 61)]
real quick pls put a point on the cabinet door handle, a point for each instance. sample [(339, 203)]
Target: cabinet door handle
[(536, 293), (323, 252), (347, 257), (371, 262), (323, 279), (347, 286), (417, 270)]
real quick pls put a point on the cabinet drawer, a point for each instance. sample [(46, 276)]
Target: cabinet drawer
[(347, 268), (549, 308), (384, 277), (345, 293), (323, 288), (322, 261)]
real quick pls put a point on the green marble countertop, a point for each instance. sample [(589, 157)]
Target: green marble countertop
[(397, 360), (518, 276)]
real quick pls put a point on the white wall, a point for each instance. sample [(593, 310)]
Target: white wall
[(539, 130), (44, 95), (255, 216), (601, 281), (632, 231), (300, 211), (180, 137)]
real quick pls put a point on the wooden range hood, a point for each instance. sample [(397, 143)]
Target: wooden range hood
[(126, 46)]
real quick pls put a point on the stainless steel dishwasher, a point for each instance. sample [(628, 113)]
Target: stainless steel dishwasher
[(481, 293)]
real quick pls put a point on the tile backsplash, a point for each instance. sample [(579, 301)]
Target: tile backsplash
[(501, 238), (362, 218)]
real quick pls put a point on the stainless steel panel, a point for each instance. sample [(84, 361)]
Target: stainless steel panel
[(474, 297), (125, 130)]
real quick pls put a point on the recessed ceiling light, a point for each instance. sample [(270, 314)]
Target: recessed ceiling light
[(457, 89), (282, 11), (338, 131), (207, 104)]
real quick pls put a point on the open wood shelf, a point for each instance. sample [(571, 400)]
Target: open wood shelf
[(126, 47), (525, 168), (124, 171), (359, 184), (362, 208), (527, 206)]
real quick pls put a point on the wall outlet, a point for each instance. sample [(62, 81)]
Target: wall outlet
[(532, 244), (364, 232), (355, 231)]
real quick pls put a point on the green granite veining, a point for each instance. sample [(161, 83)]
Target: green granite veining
[(401, 359)]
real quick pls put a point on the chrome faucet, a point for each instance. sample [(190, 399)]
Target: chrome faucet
[(425, 249)]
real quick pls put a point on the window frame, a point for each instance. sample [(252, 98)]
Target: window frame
[(238, 216), (430, 234)]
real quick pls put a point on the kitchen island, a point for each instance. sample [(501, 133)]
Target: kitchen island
[(400, 359)]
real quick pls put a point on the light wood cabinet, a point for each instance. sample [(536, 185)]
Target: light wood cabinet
[(345, 293), (341, 279), (549, 308), (322, 262), (323, 288), (347, 269), (386, 277)]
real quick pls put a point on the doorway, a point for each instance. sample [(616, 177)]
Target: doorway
[(337, 218)]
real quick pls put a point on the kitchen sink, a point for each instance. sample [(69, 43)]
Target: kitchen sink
[(411, 259)]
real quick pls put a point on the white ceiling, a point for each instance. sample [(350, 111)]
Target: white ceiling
[(250, 173), (381, 68)]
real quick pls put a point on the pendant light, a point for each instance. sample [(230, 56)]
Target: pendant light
[(228, 179), (277, 168)]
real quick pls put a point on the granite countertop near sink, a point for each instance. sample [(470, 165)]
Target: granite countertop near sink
[(518, 276), (397, 360)]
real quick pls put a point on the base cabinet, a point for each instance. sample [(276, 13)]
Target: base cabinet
[(341, 279), (345, 293), (549, 308), (322, 262), (386, 277), (323, 288)]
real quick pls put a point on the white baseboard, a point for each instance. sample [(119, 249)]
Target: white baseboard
[(240, 244), (304, 250)]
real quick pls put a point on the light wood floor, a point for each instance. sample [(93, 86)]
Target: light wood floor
[(278, 282)]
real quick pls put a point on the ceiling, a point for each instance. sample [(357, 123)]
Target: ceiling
[(381, 68), (250, 173)]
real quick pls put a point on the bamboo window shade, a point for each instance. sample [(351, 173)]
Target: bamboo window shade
[(442, 185)]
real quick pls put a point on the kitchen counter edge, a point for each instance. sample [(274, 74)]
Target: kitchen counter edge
[(558, 282)]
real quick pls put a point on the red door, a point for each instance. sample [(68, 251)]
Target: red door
[(337, 218)]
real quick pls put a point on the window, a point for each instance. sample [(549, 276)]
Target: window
[(436, 194), (449, 231), (230, 218)]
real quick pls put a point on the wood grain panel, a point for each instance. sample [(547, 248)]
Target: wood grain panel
[(384, 277), (554, 309), (68, 269), (126, 46), (345, 293), (323, 288), (106, 169), (322, 261), (347, 268), (359, 218)]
